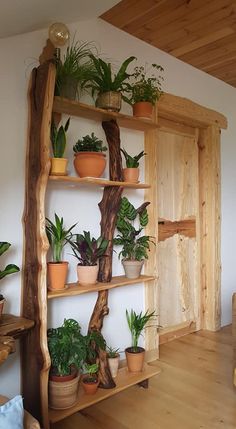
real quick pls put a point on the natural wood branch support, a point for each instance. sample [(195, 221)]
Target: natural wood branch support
[(167, 229), (109, 207), (7, 346)]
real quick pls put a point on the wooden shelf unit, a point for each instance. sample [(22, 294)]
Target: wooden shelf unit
[(117, 281), (15, 326), (86, 111), (94, 181), (124, 380)]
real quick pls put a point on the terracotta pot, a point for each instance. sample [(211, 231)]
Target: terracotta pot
[(114, 364), (59, 166), (57, 273), (87, 274), (131, 175), (143, 109), (110, 100), (1, 307), (63, 395), (89, 388), (132, 268), (90, 164), (135, 360)]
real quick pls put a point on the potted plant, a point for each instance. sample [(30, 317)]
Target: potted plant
[(57, 236), (134, 247), (89, 161), (144, 90), (113, 357), (75, 70), (131, 172), (58, 140), (88, 250), (135, 354), (9, 269), (90, 380), (107, 85)]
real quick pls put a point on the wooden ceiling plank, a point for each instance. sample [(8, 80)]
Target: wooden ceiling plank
[(225, 67), (218, 63)]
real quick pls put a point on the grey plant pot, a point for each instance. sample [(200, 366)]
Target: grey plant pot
[(132, 268)]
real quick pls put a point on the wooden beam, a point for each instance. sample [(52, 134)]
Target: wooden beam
[(167, 229), (234, 336)]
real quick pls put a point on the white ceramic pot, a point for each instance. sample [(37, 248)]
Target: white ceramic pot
[(114, 364), (87, 274), (132, 268)]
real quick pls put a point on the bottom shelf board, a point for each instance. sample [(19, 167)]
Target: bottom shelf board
[(124, 380)]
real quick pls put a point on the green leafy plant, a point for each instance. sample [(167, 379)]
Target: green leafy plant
[(132, 161), (58, 236), (10, 268), (105, 79), (77, 67), (145, 85), (89, 144), (137, 323), (58, 139), (112, 352), (134, 246), (88, 250), (91, 373)]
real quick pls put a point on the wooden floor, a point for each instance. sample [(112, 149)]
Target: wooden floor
[(194, 391)]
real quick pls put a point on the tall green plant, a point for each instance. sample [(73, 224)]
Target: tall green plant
[(57, 236), (137, 323), (58, 139)]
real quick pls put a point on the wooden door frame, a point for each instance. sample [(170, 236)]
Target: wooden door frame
[(185, 117)]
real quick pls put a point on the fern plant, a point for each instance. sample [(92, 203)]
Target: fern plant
[(134, 246), (132, 161)]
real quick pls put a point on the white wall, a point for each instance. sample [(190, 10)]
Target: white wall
[(18, 54)]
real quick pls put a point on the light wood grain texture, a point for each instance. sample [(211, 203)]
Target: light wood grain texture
[(193, 391), (73, 180), (210, 218), (151, 288), (201, 33), (7, 346), (74, 108), (124, 380), (167, 228), (174, 332), (234, 335), (73, 289)]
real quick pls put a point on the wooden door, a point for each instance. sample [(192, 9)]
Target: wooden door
[(178, 243)]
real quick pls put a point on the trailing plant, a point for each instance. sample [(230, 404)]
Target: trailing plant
[(91, 373), (145, 85), (58, 138), (112, 352), (88, 250), (105, 79), (137, 323), (134, 246), (89, 144), (77, 67), (58, 236), (132, 161), (10, 268)]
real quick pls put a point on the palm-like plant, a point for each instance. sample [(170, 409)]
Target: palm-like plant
[(137, 322), (88, 249), (132, 161), (58, 236), (58, 139)]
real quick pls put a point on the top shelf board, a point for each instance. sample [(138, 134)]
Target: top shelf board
[(74, 108)]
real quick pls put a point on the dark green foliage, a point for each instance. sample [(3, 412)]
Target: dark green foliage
[(132, 161), (11, 268), (105, 80), (57, 236), (89, 144), (137, 323), (88, 250), (111, 352), (68, 348), (58, 139), (134, 246)]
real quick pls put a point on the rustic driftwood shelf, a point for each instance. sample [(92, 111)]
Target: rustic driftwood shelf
[(124, 379), (77, 289), (73, 180)]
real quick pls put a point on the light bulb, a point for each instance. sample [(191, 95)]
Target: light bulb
[(58, 34)]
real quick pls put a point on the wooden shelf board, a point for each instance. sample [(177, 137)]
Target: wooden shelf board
[(77, 289), (74, 108), (14, 326), (97, 181), (124, 380)]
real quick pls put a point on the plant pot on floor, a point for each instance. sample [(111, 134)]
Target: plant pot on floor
[(87, 274), (143, 109), (63, 394), (113, 363), (59, 166), (131, 175), (110, 100), (132, 268), (89, 164), (135, 358), (57, 274)]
